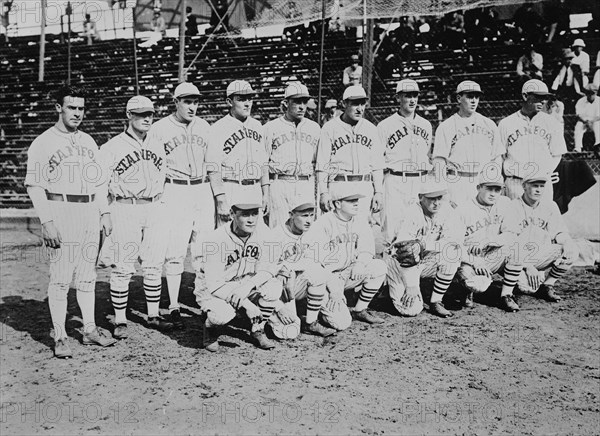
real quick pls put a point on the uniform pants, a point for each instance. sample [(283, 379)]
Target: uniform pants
[(399, 192), (581, 128)]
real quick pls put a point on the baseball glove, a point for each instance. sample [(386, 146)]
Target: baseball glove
[(407, 253)]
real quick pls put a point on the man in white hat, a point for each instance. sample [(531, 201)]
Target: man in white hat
[(588, 116), (291, 143), (352, 74), (544, 245), (581, 58), (236, 152), (532, 140), (341, 242), (330, 112), (490, 237), (407, 139), (439, 231), (138, 212), (350, 156), (569, 83), (466, 144), (188, 194)]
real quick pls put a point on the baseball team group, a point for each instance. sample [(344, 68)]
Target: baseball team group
[(279, 218)]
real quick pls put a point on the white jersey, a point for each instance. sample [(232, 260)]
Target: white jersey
[(134, 168), (292, 249), (346, 149), (588, 111), (539, 225), (292, 149), (530, 144), (468, 144), (184, 145), (407, 142), (488, 222), (237, 148), (228, 258)]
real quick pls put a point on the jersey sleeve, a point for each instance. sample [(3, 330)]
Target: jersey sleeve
[(324, 149), (378, 151), (366, 240), (441, 146), (497, 147), (214, 152), (557, 145), (35, 165)]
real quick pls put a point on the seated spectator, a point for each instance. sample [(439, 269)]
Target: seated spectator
[(581, 58), (191, 23), (454, 29), (530, 65), (588, 117), (596, 80), (569, 83), (158, 24), (405, 37), (353, 74), (89, 30)]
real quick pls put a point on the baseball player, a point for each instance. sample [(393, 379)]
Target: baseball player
[(188, 195), (436, 234), (61, 180), (301, 278), (350, 156), (134, 168), (465, 144), (291, 144), (341, 241), (490, 241), (545, 246), (532, 140), (237, 152), (331, 111), (407, 139), (241, 264), (588, 117)]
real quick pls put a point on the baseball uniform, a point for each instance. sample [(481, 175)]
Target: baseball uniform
[(590, 113), (407, 143), (291, 150)]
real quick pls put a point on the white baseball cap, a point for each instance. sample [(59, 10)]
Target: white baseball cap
[(140, 105), (239, 87), (407, 85), (468, 86), (302, 203), (578, 43), (491, 177), (535, 86), (186, 89), (330, 103), (296, 90), (246, 199), (537, 176), (354, 92), (432, 187)]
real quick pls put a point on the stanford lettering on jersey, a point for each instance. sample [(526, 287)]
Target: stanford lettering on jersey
[(236, 137), (249, 250), (355, 138), (534, 221), (486, 222), (184, 139), (535, 130), (293, 136), (472, 130), (129, 160), (55, 160)]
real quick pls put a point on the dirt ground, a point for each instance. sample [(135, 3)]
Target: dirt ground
[(481, 372)]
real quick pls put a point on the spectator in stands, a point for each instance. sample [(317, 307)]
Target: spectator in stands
[(581, 58), (454, 30), (588, 117), (89, 30), (481, 25), (353, 74), (311, 110), (530, 65), (331, 111), (568, 87), (191, 23), (597, 73), (219, 18), (529, 23), (556, 109), (158, 24), (405, 37)]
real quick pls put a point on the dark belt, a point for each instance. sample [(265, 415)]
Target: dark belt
[(288, 177), (407, 173), (461, 173), (515, 177), (243, 181), (71, 198), (143, 200), (353, 178), (187, 181)]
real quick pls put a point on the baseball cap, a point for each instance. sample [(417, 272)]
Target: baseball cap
[(186, 88), (468, 86), (239, 87), (578, 43), (140, 105), (591, 89), (330, 103), (355, 92), (354, 57), (296, 90), (303, 203), (246, 200), (535, 86), (491, 178), (537, 176), (407, 85), (343, 192), (433, 188), (311, 104)]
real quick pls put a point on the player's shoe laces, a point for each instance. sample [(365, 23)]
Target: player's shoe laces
[(62, 350), (367, 317), (468, 303), (509, 304), (318, 329), (261, 340), (100, 337), (176, 319), (438, 309), (120, 331), (548, 293), (157, 323)]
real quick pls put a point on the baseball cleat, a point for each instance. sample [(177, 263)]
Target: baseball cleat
[(261, 340), (548, 293), (468, 303), (98, 336), (176, 319), (62, 350), (318, 329), (210, 339), (120, 331), (509, 304), (438, 309), (367, 317), (157, 323)]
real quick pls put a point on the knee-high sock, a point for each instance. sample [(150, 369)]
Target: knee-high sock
[(119, 302), (510, 278), (152, 298), (556, 272), (364, 298), (440, 286), (87, 301), (173, 283), (314, 302), (57, 301)]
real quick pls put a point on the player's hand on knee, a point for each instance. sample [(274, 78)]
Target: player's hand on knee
[(359, 272), (570, 252), (335, 303), (534, 277), (325, 202), (51, 235), (481, 269), (286, 314), (253, 313), (106, 224)]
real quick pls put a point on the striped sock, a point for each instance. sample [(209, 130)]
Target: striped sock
[(557, 271), (265, 308), (119, 302), (152, 298), (440, 286), (364, 298), (510, 278), (314, 302)]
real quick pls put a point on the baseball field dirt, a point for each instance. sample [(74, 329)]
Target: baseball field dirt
[(481, 372)]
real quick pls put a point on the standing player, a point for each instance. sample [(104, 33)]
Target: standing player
[(350, 156), (237, 152), (134, 168), (187, 195), (60, 185), (532, 140), (545, 244), (588, 117), (407, 139), (464, 144), (241, 263), (490, 241), (291, 143), (432, 233), (341, 241)]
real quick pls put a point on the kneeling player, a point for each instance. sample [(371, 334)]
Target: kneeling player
[(426, 242), (490, 242)]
